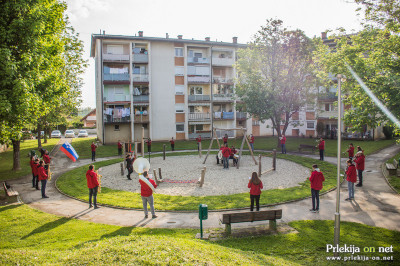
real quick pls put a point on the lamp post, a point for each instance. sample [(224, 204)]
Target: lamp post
[(339, 152)]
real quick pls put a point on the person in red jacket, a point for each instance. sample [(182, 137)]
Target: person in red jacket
[(226, 152), (251, 141), (93, 185), (93, 148), (316, 179), (42, 178), (47, 160), (172, 141), (147, 195), (198, 139), (255, 186), (225, 139), (321, 147), (33, 164), (351, 178), (119, 144), (232, 156), (350, 151), (148, 142), (283, 144), (360, 162)]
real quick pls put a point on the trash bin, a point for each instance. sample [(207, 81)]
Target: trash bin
[(203, 212)]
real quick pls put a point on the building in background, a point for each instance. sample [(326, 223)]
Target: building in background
[(89, 120)]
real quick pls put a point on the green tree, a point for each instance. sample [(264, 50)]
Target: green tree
[(40, 63), (274, 78)]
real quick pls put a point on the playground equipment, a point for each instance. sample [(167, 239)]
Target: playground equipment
[(260, 172)]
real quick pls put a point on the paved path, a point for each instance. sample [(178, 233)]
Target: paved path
[(375, 203)]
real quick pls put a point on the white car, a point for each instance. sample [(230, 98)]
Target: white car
[(56, 134), (83, 133), (69, 134)]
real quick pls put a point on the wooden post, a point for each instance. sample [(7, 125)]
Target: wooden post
[(272, 224), (159, 172), (216, 137), (164, 152), (259, 166), (155, 177), (241, 148), (209, 148), (274, 160), (200, 149), (142, 141), (203, 174), (122, 168), (228, 229), (251, 151)]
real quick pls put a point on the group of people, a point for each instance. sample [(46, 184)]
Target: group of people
[(355, 166), (40, 170)]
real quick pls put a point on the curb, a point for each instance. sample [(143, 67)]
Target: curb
[(386, 175)]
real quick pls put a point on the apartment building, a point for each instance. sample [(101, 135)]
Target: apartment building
[(170, 87)]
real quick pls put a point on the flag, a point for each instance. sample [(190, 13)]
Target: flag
[(69, 151)]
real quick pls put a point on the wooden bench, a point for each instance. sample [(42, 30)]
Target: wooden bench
[(243, 217), (392, 168), (9, 191), (305, 147)]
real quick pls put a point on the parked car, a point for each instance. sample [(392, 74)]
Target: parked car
[(69, 134), (56, 134), (83, 133)]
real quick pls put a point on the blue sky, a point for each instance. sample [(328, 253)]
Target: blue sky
[(218, 19)]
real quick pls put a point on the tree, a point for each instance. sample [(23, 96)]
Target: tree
[(40, 63), (274, 74)]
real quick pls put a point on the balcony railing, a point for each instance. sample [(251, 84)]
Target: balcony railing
[(331, 96), (199, 79), (222, 80), (198, 60), (203, 134), (216, 61), (127, 119), (199, 116), (224, 115), (140, 58), (223, 97), (141, 119), (141, 98), (198, 98), (115, 57), (241, 116), (328, 114), (140, 77), (221, 133), (116, 77)]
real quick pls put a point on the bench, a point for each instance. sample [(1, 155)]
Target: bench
[(9, 191), (243, 217), (392, 168), (305, 146)]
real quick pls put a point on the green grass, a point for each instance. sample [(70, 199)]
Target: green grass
[(29, 236), (6, 158), (82, 147), (393, 179), (74, 183)]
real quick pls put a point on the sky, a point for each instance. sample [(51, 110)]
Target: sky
[(218, 19)]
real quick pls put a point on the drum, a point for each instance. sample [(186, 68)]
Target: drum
[(220, 155)]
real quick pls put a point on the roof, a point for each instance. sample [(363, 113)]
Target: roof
[(157, 39), (93, 112)]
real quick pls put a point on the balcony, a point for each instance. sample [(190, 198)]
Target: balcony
[(199, 98), (116, 77), (116, 57), (223, 115), (328, 115), (217, 61), (197, 60), (330, 96), (221, 133), (203, 134), (222, 80), (140, 77), (140, 98), (199, 116), (113, 119), (141, 118), (241, 116), (223, 97), (140, 58), (198, 79)]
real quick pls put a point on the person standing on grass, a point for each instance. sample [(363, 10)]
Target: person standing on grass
[(147, 195), (360, 162), (350, 151), (93, 185), (226, 153), (93, 148), (129, 166), (283, 144), (351, 177), (225, 139), (119, 144), (148, 141), (172, 141), (321, 147), (255, 186), (251, 141), (42, 178), (316, 179), (198, 139)]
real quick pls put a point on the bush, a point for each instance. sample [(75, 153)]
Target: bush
[(388, 132)]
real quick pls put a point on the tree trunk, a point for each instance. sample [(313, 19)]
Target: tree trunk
[(45, 135), (39, 128), (16, 149)]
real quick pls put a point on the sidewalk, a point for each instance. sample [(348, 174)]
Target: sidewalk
[(375, 203)]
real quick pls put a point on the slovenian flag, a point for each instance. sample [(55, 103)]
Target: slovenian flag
[(69, 151)]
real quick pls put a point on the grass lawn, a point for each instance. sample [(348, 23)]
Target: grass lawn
[(74, 183), (82, 147), (29, 236), (393, 179), (6, 158)]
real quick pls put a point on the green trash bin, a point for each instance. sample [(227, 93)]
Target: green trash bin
[(203, 215)]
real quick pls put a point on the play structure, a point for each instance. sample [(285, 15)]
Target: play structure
[(244, 131), (260, 172)]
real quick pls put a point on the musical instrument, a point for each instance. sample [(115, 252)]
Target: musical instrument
[(99, 180), (220, 155), (141, 165), (48, 172)]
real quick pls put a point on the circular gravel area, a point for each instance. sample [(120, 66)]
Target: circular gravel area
[(218, 181)]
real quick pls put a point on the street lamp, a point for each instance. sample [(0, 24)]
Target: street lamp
[(340, 78)]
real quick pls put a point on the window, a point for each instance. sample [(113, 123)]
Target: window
[(179, 71), (196, 90), (116, 127), (310, 125), (198, 55), (180, 127), (199, 127), (179, 107), (327, 107), (179, 89), (179, 52), (115, 49), (195, 109), (310, 107)]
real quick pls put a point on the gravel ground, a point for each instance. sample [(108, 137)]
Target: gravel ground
[(218, 181)]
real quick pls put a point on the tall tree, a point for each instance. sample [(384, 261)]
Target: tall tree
[(40, 63), (274, 74)]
